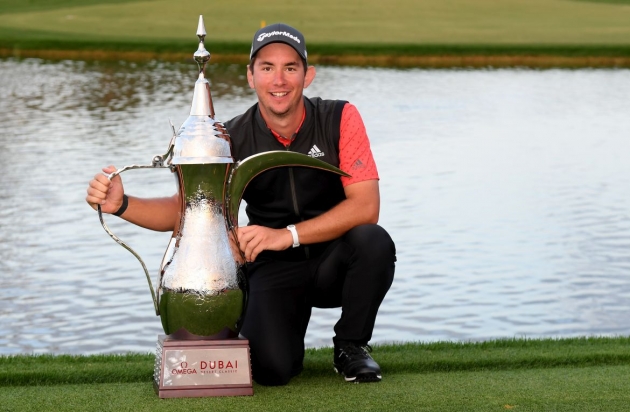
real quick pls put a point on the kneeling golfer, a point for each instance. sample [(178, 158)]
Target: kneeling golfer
[(312, 238)]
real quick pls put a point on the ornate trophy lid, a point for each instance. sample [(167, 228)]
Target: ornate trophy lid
[(201, 139)]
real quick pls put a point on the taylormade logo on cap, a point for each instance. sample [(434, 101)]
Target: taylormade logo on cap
[(279, 33), (262, 36)]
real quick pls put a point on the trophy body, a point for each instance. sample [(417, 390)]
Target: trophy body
[(201, 292), (202, 296)]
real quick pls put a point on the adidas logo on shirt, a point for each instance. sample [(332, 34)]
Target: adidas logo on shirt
[(358, 164), (315, 152)]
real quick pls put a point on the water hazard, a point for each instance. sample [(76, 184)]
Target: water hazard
[(506, 192)]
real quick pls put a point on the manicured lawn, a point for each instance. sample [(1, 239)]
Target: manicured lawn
[(367, 27), (528, 375), (331, 21)]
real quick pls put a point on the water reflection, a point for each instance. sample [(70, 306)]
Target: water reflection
[(505, 191)]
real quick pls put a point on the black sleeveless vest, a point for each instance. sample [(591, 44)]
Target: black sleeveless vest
[(288, 195)]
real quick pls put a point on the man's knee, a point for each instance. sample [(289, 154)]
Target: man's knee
[(272, 373), (372, 242)]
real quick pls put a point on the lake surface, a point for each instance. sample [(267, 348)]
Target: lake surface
[(506, 192)]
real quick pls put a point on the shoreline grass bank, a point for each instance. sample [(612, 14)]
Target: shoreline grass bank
[(395, 56), (521, 374), (501, 354)]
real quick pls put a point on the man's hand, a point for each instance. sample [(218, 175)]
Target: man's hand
[(254, 239), (361, 206), (102, 191)]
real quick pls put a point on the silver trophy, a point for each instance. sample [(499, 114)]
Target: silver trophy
[(202, 291)]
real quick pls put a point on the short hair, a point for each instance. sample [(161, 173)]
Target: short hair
[(253, 61)]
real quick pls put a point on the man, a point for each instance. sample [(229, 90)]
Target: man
[(312, 238)]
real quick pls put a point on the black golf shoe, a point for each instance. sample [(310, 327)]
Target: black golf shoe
[(355, 363)]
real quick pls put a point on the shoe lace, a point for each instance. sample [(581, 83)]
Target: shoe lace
[(356, 350)]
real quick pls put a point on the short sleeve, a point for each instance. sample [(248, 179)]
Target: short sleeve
[(355, 155)]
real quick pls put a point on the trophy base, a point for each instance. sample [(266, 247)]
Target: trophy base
[(202, 368)]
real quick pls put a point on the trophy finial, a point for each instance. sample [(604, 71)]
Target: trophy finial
[(202, 98), (201, 56), (201, 30)]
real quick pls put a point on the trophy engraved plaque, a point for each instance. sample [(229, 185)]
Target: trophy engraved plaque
[(195, 368), (202, 286)]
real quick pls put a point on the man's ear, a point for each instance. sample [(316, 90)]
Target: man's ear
[(250, 77), (310, 76)]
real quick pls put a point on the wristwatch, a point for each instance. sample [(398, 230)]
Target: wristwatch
[(296, 240)]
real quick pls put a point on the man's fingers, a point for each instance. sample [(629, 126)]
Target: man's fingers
[(255, 239), (101, 183), (96, 195), (93, 202), (243, 230), (252, 245), (255, 253), (109, 169), (249, 241), (100, 188), (245, 235)]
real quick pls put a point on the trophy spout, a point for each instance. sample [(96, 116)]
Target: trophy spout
[(244, 171)]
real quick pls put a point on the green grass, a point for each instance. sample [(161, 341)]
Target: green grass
[(564, 374), (602, 388), (331, 21), (367, 27), (608, 1), (19, 6)]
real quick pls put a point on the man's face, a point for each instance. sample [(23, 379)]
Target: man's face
[(278, 77)]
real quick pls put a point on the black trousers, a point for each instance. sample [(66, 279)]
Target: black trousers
[(354, 272)]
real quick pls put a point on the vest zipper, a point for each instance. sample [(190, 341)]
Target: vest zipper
[(294, 198)]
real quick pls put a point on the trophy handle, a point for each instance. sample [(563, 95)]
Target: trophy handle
[(158, 162), (244, 171)]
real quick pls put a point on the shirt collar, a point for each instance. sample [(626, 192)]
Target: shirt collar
[(286, 141)]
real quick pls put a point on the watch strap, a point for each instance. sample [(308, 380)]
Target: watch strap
[(296, 240)]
